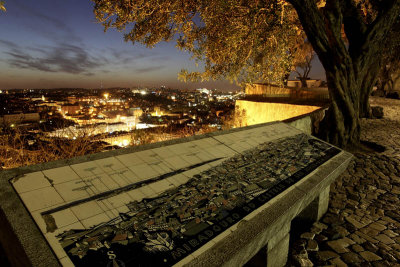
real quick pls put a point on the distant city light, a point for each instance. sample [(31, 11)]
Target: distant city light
[(204, 91), (113, 115)]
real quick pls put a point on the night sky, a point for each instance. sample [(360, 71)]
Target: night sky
[(57, 43)]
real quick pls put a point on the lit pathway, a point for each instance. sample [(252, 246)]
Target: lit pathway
[(362, 226)]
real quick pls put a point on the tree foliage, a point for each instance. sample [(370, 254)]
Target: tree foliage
[(2, 7), (16, 150), (239, 40), (251, 40), (302, 57)]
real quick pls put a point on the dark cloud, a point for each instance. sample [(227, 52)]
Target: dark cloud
[(161, 59), (7, 43), (126, 57), (148, 69), (59, 58), (74, 59), (49, 27)]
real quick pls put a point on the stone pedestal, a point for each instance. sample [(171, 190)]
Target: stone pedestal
[(278, 248), (323, 202), (317, 208)]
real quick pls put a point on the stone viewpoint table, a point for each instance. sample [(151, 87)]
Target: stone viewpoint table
[(210, 200)]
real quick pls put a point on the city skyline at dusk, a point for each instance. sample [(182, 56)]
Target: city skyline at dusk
[(53, 44)]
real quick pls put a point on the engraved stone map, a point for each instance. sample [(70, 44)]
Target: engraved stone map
[(157, 207)]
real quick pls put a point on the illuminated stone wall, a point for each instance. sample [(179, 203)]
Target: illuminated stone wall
[(267, 90), (250, 112)]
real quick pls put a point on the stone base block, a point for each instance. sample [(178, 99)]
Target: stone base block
[(317, 208), (278, 255)]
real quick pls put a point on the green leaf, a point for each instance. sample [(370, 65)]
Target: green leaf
[(2, 6)]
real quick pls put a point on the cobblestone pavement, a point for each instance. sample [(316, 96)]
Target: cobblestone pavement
[(362, 225)]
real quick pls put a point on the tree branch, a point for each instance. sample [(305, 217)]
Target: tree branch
[(384, 21), (369, 52), (323, 29), (354, 26), (313, 24)]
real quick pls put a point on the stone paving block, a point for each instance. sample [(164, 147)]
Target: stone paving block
[(369, 256), (326, 255), (339, 246), (384, 239), (307, 235), (390, 233), (312, 245), (352, 258), (357, 248), (370, 246), (355, 222), (366, 237), (377, 226), (384, 247), (357, 239), (338, 262), (369, 231)]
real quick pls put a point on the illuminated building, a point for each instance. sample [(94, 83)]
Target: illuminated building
[(19, 118), (70, 109)]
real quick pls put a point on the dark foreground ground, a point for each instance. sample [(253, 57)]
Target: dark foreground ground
[(362, 225)]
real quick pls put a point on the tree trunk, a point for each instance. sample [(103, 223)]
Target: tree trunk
[(368, 81), (381, 85), (394, 80), (303, 82), (286, 78), (349, 93), (384, 78), (341, 125), (351, 69)]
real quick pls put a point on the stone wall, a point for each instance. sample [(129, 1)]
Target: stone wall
[(251, 112), (267, 90), (308, 123), (310, 83)]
